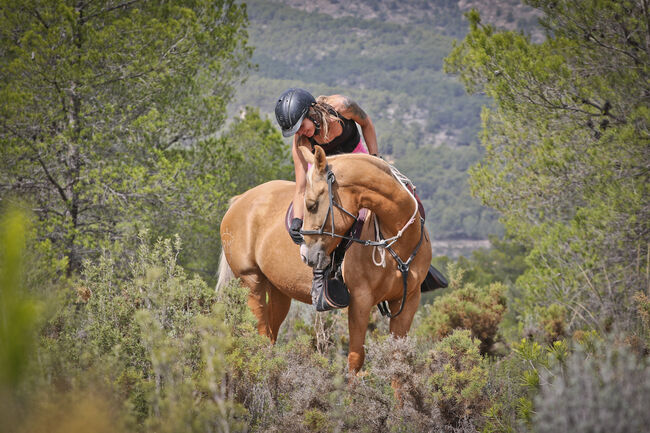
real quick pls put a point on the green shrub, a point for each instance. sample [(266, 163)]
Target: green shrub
[(151, 336), (553, 322), (514, 381), (458, 377), (317, 421), (639, 339), (478, 309)]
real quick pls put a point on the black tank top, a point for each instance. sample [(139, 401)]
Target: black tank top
[(344, 143)]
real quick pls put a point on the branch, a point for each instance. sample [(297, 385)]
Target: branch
[(35, 14), (590, 36), (49, 176), (110, 9)]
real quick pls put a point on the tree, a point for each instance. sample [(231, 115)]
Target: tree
[(503, 262), (195, 185), (95, 95), (568, 152)]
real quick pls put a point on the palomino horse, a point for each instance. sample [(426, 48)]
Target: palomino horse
[(259, 251)]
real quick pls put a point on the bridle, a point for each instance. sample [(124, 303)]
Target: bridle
[(330, 213), (403, 266)]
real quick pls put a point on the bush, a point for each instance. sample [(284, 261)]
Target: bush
[(442, 389), (458, 377), (478, 309), (150, 336)]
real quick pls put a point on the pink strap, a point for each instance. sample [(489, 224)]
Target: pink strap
[(360, 148)]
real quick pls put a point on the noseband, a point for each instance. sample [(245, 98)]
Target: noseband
[(403, 266)]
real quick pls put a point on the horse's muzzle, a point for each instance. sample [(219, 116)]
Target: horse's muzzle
[(314, 256)]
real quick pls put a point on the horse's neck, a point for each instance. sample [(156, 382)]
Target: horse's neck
[(394, 209), (385, 196)]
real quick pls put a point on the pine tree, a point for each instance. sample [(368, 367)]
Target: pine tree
[(96, 95), (568, 152)]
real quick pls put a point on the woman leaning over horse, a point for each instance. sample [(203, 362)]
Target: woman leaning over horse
[(330, 122)]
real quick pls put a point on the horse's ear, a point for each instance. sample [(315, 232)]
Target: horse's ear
[(306, 153), (320, 160)]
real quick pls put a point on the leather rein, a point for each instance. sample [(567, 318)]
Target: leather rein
[(403, 266)]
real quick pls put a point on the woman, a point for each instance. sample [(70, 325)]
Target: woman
[(330, 122)]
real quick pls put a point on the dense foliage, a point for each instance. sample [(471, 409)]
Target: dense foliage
[(568, 153), (567, 168), (161, 351), (97, 99), (149, 348)]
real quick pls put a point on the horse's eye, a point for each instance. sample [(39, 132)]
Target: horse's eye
[(312, 207)]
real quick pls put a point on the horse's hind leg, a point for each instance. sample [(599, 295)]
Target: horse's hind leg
[(267, 303), (277, 307), (258, 285)]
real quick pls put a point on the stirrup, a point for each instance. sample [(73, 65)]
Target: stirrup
[(328, 294), (434, 280)]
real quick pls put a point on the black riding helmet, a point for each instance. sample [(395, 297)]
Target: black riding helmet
[(291, 108)]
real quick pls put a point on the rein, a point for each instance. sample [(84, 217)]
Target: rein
[(382, 243)]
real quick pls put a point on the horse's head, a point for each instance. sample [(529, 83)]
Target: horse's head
[(324, 204)]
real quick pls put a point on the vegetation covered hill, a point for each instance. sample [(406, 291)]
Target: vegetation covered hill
[(445, 16)]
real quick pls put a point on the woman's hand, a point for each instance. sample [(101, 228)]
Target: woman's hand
[(294, 231)]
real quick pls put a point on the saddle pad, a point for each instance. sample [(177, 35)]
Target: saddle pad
[(420, 206)]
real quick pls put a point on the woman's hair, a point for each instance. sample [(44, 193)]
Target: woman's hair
[(323, 113)]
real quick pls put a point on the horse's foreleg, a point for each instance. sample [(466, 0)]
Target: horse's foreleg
[(358, 316), (400, 325)]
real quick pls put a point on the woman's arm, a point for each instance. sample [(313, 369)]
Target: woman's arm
[(300, 166), (351, 110)]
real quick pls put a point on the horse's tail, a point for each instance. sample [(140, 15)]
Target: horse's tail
[(225, 273)]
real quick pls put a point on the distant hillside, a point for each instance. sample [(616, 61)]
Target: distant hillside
[(388, 56), (444, 16), (394, 71)]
